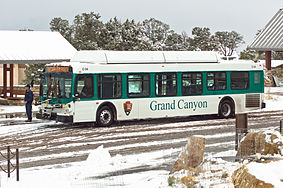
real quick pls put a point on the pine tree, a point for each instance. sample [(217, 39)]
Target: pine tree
[(228, 41), (33, 72), (157, 33), (202, 40), (62, 26), (87, 30)]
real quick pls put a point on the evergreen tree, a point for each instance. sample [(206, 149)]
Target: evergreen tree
[(251, 54), (228, 41), (202, 39), (112, 34), (277, 55), (62, 26), (87, 32), (33, 72), (157, 33)]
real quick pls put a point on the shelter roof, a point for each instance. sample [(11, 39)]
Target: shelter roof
[(22, 47), (271, 37)]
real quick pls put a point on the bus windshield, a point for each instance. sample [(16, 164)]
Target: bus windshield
[(56, 85)]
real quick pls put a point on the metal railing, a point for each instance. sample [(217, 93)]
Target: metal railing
[(10, 166)]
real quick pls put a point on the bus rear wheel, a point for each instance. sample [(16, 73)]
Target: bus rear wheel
[(105, 116), (226, 109)]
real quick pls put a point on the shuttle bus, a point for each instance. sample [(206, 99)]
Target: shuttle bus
[(109, 86)]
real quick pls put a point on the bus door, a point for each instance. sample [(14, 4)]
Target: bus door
[(84, 92)]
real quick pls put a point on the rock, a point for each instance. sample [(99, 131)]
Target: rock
[(192, 154), (196, 150), (269, 80), (247, 146), (241, 178), (269, 143), (263, 142), (188, 181)]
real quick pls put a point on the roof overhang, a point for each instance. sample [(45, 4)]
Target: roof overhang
[(32, 47), (271, 37), (32, 61)]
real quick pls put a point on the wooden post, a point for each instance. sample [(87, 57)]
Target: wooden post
[(8, 161), (281, 123), (241, 127), (5, 80), (18, 164), (11, 79), (268, 60)]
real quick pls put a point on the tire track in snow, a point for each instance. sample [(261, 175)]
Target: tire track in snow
[(51, 144)]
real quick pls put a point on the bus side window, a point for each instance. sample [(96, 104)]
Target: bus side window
[(216, 81), (138, 85), (191, 83), (239, 80), (109, 86), (166, 84), (84, 86)]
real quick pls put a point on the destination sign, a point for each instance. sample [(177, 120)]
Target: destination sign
[(59, 69)]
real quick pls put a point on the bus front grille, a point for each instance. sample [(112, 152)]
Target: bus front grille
[(252, 100)]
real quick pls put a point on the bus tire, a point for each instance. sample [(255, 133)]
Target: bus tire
[(105, 116), (226, 109)]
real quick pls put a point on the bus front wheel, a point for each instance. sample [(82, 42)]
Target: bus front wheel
[(226, 109), (105, 116)]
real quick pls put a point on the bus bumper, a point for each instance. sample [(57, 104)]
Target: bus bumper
[(51, 116), (64, 119)]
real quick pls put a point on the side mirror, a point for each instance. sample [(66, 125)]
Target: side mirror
[(76, 97)]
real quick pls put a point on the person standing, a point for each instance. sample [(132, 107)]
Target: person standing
[(28, 102)]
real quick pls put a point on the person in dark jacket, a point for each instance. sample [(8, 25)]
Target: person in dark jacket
[(28, 102)]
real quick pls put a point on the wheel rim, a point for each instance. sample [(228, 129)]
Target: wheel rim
[(226, 109), (105, 117)]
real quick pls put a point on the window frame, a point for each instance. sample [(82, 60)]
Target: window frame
[(194, 79), (247, 80), (167, 73), (149, 89), (76, 82), (257, 76), (98, 84), (215, 72)]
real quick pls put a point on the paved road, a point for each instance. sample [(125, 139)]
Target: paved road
[(47, 143)]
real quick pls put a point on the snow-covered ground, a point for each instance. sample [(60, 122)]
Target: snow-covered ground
[(102, 170)]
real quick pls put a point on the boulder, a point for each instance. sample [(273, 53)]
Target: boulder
[(196, 150), (263, 142), (269, 79), (241, 178), (191, 156), (268, 142), (247, 145), (257, 174)]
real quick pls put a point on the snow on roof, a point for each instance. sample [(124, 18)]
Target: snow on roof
[(22, 47), (139, 57)]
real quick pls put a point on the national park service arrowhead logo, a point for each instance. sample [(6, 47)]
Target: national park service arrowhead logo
[(128, 107)]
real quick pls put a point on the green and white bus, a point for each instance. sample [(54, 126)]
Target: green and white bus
[(109, 86)]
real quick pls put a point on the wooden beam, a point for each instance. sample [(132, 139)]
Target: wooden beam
[(268, 60), (5, 80), (11, 79)]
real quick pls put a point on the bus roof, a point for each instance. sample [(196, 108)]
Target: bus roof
[(144, 57)]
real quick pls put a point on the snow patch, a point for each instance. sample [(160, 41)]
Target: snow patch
[(268, 172)]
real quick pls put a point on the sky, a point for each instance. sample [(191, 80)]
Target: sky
[(243, 16)]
